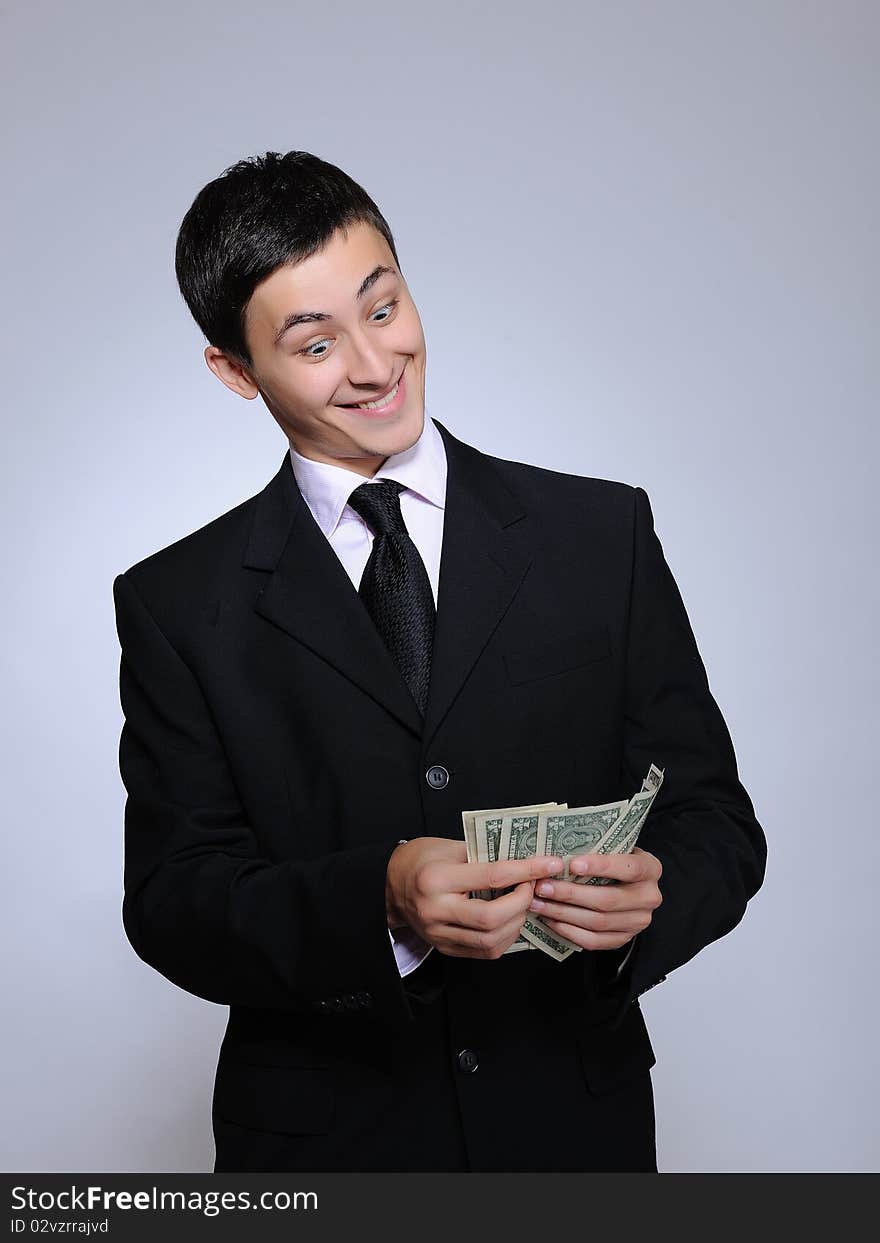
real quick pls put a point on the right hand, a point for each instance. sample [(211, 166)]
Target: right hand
[(427, 885)]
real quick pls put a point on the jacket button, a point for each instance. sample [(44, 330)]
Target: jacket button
[(468, 1061), (437, 777), (364, 999)]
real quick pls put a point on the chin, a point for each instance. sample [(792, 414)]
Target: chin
[(407, 429), (410, 432), (394, 443)]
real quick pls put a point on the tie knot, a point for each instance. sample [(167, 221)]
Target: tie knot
[(379, 505)]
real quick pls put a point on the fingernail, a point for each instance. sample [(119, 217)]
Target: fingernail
[(545, 889), (537, 905)]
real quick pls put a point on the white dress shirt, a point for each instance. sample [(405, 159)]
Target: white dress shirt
[(326, 489)]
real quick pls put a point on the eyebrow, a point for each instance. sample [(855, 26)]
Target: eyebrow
[(312, 317)]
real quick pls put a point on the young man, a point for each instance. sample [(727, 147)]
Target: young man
[(316, 684)]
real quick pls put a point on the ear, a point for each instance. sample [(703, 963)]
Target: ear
[(233, 374)]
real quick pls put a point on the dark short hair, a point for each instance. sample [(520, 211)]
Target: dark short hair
[(259, 214)]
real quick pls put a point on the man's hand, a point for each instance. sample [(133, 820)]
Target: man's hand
[(427, 885), (602, 917)]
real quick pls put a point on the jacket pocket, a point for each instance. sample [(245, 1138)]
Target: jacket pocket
[(542, 660), (296, 1100), (610, 1058)]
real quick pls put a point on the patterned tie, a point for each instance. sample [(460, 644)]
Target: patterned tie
[(395, 586)]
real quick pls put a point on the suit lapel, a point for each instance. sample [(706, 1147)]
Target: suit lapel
[(484, 558), (308, 593), (310, 596)]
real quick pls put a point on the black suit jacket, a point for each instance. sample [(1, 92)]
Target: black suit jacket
[(272, 757)]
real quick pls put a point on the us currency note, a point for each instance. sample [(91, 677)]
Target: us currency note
[(518, 840), (623, 834), (573, 832), (487, 832), (556, 829), (577, 831), (482, 834)]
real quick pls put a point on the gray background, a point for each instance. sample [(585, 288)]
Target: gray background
[(642, 239)]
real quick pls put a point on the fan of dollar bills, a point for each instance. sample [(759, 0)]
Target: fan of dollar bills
[(556, 829)]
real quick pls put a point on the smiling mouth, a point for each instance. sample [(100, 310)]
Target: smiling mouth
[(374, 402)]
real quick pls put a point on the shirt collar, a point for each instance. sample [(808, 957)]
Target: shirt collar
[(326, 487)]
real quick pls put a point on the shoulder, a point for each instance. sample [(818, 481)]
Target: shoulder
[(186, 577), (568, 493)]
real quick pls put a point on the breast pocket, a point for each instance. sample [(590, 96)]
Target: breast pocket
[(295, 1100), (545, 659)]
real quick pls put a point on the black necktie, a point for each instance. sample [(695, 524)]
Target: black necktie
[(395, 586)]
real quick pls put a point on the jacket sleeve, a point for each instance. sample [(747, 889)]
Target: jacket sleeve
[(200, 904), (702, 824)]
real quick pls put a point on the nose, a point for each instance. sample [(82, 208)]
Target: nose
[(370, 366)]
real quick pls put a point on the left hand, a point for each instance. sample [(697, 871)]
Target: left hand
[(602, 917)]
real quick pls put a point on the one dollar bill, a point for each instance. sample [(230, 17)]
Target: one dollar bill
[(556, 829)]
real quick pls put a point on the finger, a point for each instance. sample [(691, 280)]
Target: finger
[(599, 897), (629, 922), (586, 938), (474, 943), (483, 914), (502, 872), (639, 865)]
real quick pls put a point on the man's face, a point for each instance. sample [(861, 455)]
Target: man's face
[(309, 373)]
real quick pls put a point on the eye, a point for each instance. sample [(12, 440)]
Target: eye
[(389, 306), (308, 349)]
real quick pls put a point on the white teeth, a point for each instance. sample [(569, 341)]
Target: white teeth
[(377, 405)]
